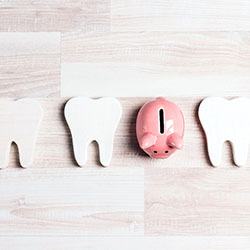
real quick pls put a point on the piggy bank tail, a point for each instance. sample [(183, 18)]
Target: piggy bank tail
[(175, 141)]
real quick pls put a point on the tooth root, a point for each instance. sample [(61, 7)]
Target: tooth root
[(214, 151), (80, 146), (26, 126), (19, 123), (210, 120), (240, 151), (26, 151), (106, 150)]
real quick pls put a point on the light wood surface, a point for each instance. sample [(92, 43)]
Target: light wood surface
[(197, 201), (155, 63), (133, 243), (72, 202), (184, 50), (180, 15), (30, 64), (47, 15)]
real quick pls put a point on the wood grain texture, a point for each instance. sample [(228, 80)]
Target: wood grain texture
[(197, 202), (180, 15), (54, 15), (124, 243), (29, 64), (124, 48), (72, 202), (155, 63)]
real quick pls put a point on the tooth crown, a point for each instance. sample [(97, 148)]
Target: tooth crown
[(19, 122), (226, 120), (93, 120)]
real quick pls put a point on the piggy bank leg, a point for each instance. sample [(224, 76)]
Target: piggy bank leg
[(147, 141)]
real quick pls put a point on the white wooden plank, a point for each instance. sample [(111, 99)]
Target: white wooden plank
[(54, 15), (29, 64), (133, 243), (72, 202), (197, 202), (21, 43), (155, 63), (180, 15)]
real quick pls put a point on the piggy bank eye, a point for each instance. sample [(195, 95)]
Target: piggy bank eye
[(155, 152), (166, 152)]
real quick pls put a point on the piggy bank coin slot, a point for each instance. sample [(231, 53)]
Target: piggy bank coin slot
[(161, 118)]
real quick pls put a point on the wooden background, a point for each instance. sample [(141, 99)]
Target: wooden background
[(184, 50)]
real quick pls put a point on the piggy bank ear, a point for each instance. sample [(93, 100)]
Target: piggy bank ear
[(175, 141), (147, 141)]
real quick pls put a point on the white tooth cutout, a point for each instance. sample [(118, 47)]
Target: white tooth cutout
[(93, 120), (19, 122), (226, 120)]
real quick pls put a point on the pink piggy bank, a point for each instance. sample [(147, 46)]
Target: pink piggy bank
[(160, 128)]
